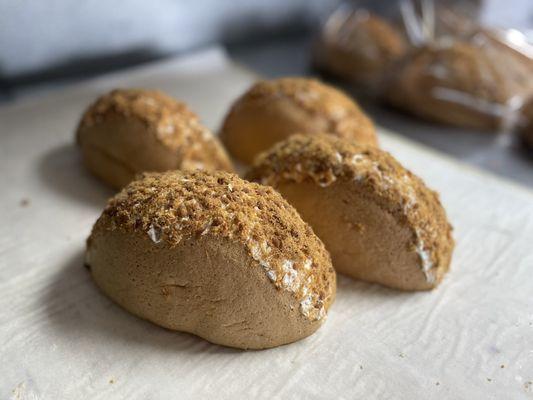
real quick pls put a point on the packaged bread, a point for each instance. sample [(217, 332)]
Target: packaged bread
[(454, 83), (360, 47), (213, 255), (435, 60)]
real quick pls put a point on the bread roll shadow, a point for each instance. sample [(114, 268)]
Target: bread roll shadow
[(79, 313), (355, 291), (62, 171)]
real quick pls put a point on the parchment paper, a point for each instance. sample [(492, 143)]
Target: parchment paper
[(60, 338)]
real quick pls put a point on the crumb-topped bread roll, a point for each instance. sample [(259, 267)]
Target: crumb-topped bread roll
[(128, 131), (271, 111), (359, 46), (379, 221), (454, 83), (214, 255)]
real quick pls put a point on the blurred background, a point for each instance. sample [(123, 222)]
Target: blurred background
[(479, 51)]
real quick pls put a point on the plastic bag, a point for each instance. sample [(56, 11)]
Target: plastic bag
[(434, 61)]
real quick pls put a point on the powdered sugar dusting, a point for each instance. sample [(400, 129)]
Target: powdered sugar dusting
[(154, 234), (310, 304), (425, 258), (306, 305), (290, 278), (271, 275), (309, 309)]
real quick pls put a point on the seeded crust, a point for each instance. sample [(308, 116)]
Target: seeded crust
[(323, 159), (332, 111), (454, 83), (173, 207), (171, 123)]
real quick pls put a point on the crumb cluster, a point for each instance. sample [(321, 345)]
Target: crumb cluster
[(171, 207), (324, 159)]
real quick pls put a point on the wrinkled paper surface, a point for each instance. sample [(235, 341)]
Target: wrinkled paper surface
[(60, 338)]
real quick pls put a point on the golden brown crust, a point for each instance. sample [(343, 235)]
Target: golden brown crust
[(169, 121), (273, 110), (175, 206), (323, 159), (344, 117)]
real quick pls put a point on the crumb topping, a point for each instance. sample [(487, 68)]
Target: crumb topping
[(170, 121), (173, 206), (344, 117), (324, 159)]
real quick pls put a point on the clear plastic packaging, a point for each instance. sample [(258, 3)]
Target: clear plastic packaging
[(433, 60)]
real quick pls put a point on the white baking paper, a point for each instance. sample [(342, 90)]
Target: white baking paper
[(60, 338)]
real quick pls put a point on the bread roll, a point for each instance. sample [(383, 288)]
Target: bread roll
[(272, 110), (379, 221), (211, 254), (129, 131), (453, 83), (513, 61), (360, 47), (510, 50)]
